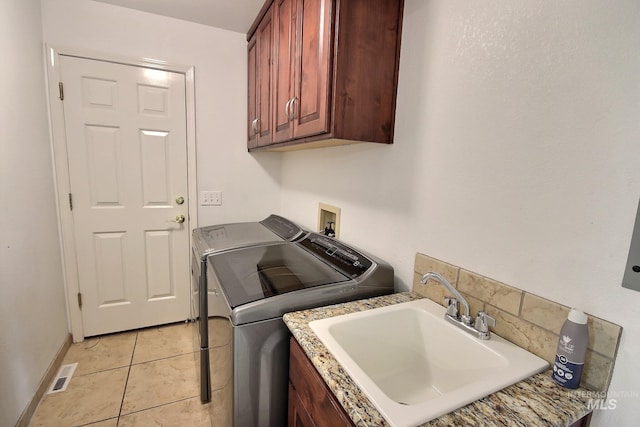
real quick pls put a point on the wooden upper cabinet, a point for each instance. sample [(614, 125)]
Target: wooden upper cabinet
[(259, 60), (334, 71)]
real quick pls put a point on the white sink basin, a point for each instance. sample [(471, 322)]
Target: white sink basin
[(414, 366)]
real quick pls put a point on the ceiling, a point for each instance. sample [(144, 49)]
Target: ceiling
[(233, 15)]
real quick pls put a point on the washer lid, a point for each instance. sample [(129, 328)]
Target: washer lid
[(256, 273)]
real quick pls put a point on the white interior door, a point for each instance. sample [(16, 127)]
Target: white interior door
[(127, 157)]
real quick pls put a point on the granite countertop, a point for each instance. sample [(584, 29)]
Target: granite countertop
[(536, 401)]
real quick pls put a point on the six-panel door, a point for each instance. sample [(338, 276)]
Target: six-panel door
[(126, 142)]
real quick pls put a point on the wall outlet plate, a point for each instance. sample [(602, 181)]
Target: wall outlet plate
[(326, 214)]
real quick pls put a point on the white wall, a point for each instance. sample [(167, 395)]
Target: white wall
[(516, 156), (250, 183), (32, 305)]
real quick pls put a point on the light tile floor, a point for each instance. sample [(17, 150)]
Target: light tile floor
[(140, 378)]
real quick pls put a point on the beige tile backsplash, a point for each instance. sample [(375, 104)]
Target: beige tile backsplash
[(499, 295), (523, 318)]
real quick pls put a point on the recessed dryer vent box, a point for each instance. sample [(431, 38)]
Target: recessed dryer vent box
[(631, 277), (328, 217)]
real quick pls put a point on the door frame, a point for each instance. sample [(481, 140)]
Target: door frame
[(61, 167)]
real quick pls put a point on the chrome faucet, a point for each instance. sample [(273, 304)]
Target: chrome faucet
[(463, 321), (466, 317)]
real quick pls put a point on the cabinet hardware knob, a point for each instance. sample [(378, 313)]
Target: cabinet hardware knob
[(292, 108), (287, 109)]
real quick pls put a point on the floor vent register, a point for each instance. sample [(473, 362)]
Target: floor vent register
[(63, 378)]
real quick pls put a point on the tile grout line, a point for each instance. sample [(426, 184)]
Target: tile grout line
[(160, 405), (144, 362), (126, 383)]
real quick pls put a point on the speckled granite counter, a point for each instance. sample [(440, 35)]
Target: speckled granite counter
[(536, 401)]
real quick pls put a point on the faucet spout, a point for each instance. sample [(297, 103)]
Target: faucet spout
[(466, 316)]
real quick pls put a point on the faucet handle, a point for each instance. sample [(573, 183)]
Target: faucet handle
[(484, 321), (452, 306)]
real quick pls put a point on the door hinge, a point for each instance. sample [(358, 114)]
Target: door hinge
[(70, 202), (79, 300), (61, 91)]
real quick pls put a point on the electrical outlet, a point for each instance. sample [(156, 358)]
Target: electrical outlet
[(211, 198)]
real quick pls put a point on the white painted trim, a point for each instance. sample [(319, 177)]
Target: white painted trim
[(191, 150), (61, 169)]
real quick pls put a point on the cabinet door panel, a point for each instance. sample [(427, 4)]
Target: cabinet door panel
[(284, 44), (263, 105), (312, 74), (252, 139), (297, 416)]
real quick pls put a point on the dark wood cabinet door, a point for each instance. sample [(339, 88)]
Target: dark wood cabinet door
[(311, 402), (312, 68), (252, 78), (264, 36), (283, 65)]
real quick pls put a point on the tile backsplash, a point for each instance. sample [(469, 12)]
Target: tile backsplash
[(523, 318)]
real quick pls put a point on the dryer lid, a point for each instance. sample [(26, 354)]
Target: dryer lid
[(217, 238)]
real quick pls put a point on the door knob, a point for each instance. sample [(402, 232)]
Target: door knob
[(180, 200), (179, 219)]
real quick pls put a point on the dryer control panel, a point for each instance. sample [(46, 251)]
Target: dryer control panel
[(284, 228), (342, 257)]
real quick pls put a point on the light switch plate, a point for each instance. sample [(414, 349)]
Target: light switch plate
[(210, 198), (631, 277)]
